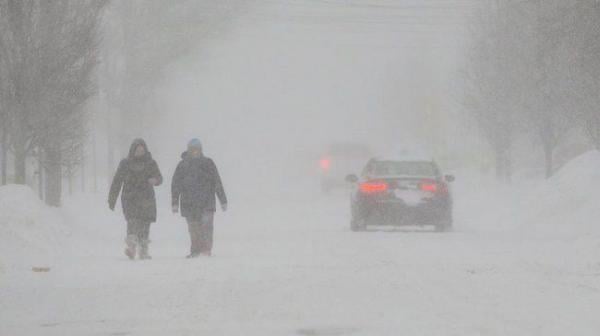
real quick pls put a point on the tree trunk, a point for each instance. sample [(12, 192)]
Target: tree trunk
[(499, 164), (502, 166), (94, 163), (70, 179), (20, 163), (40, 158), (53, 177), (549, 160), (507, 167), (4, 158), (83, 174), (593, 131), (110, 145)]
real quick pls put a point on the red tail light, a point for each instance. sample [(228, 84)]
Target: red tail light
[(325, 164), (373, 187), (433, 186), (429, 186)]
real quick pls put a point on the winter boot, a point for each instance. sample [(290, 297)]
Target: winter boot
[(144, 250), (131, 242), (206, 253), (193, 255)]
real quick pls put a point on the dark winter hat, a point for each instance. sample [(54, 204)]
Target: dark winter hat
[(195, 144), (137, 142)]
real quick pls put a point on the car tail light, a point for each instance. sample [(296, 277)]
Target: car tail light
[(430, 186), (433, 186), (325, 164), (373, 187)]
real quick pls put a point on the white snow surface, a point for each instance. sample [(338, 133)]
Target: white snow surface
[(523, 260), (567, 205), (27, 227)]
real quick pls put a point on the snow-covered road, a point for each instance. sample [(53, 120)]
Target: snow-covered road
[(291, 267), (287, 75)]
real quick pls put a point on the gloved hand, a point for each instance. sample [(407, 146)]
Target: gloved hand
[(224, 207), (111, 206), (175, 208)]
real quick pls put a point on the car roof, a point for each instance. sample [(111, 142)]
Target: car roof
[(412, 160), (349, 149), (403, 159), (406, 155)]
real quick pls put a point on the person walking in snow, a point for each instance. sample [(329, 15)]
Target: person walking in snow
[(195, 183), (137, 175)]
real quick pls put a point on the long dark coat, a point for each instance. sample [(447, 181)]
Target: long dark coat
[(195, 183), (137, 198)]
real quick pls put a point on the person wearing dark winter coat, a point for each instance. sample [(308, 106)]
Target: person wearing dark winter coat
[(137, 175), (195, 183)]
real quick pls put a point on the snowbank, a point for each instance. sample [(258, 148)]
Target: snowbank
[(29, 230), (568, 203)]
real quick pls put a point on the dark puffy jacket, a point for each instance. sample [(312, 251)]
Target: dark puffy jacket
[(195, 183), (137, 197)]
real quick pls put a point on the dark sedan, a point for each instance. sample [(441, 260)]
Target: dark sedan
[(401, 192)]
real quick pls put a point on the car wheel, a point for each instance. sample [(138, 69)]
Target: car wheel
[(357, 225), (445, 225)]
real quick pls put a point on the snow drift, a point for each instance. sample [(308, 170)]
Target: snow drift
[(26, 222), (567, 203), (28, 228), (564, 205)]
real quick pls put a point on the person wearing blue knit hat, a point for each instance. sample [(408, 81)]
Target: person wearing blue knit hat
[(195, 184), (195, 143)]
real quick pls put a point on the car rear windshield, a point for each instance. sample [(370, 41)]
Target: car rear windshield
[(404, 168)]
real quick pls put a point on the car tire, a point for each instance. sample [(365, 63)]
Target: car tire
[(358, 225), (445, 225)]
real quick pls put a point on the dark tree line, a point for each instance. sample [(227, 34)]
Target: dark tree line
[(533, 70), (48, 55), (51, 64)]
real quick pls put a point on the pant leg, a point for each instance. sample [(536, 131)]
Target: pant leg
[(143, 235), (207, 231), (136, 227), (132, 233), (143, 230), (194, 229)]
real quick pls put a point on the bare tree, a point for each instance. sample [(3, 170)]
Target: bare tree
[(16, 20), (545, 105), (490, 95), (76, 58), (4, 119), (521, 66), (50, 54), (582, 24)]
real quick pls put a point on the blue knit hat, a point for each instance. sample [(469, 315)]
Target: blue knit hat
[(195, 143)]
